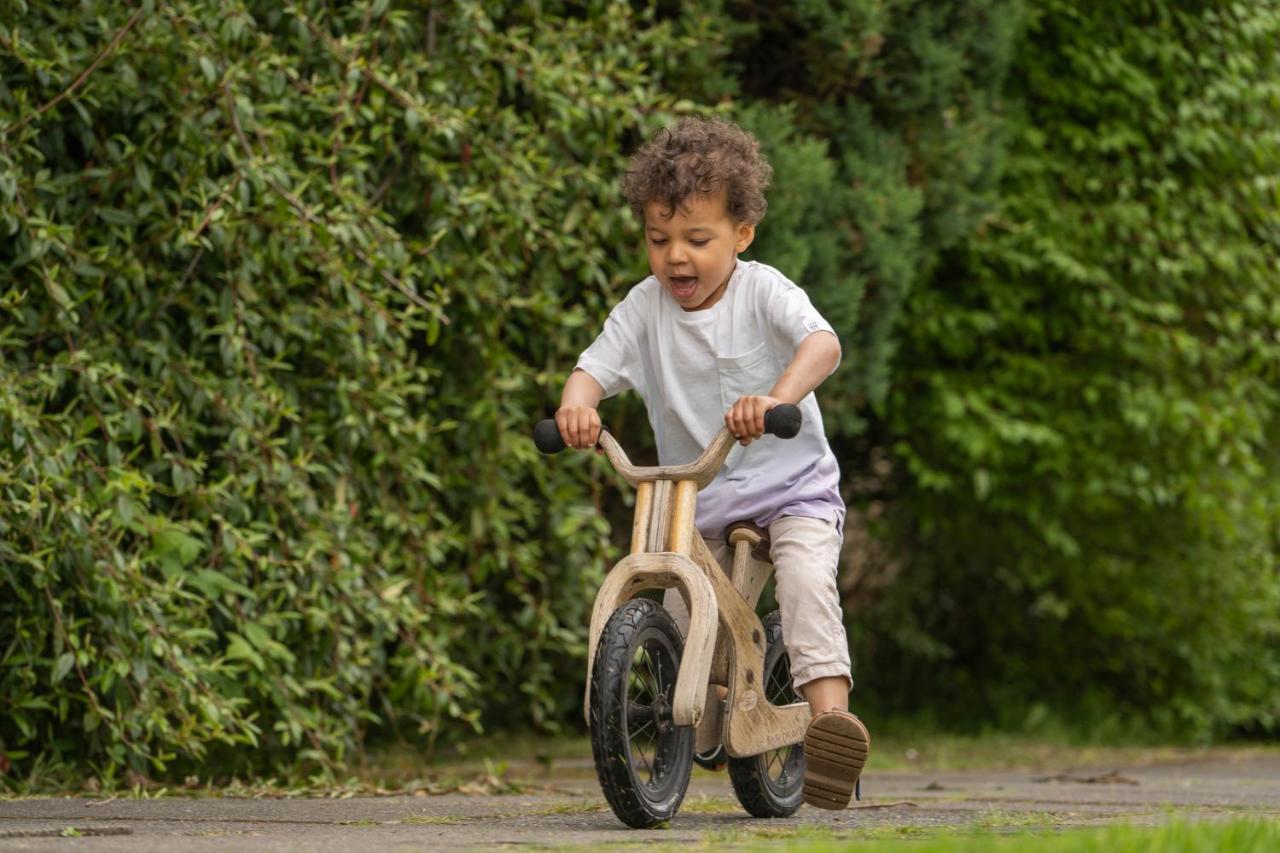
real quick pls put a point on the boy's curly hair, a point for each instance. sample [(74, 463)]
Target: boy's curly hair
[(699, 156)]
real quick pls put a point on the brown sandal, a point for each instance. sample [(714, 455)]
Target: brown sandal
[(835, 749)]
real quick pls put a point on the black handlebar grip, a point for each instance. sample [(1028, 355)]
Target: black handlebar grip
[(546, 435), (783, 420)]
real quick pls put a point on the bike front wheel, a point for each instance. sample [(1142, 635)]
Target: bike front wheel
[(642, 758)]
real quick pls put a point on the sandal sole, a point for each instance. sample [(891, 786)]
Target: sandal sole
[(835, 750)]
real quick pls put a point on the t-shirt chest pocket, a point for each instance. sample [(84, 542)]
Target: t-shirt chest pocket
[(745, 375)]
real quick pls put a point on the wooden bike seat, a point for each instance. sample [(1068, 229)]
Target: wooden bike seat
[(753, 534)]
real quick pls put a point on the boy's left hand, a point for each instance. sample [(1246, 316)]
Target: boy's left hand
[(746, 419)]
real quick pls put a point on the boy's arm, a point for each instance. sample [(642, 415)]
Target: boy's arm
[(577, 418), (815, 359)]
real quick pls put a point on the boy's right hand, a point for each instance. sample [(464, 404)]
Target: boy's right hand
[(579, 426)]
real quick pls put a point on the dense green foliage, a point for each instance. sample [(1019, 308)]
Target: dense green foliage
[(1087, 405), (880, 122), (284, 290), (285, 287)]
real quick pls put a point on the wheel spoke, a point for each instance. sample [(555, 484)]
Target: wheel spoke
[(635, 733), (645, 676), (643, 693), (644, 761), (657, 675), (779, 690), (643, 739), (654, 751), (655, 670)]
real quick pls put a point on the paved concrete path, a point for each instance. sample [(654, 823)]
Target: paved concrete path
[(568, 810)]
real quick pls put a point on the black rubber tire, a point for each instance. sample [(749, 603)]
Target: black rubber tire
[(642, 759), (772, 784)]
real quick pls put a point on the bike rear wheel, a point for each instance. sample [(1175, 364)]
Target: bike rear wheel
[(642, 758), (771, 784)]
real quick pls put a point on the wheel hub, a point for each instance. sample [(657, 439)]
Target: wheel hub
[(662, 713)]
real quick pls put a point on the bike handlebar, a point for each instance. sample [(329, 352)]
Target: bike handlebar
[(783, 421), (546, 435)]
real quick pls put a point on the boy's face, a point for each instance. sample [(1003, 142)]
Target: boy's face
[(693, 250)]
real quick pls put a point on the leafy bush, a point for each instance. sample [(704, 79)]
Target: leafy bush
[(883, 122), (1086, 406), (286, 286), (285, 289)]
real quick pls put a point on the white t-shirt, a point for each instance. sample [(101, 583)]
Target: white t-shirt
[(692, 366)]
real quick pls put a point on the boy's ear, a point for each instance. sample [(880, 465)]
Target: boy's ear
[(746, 233)]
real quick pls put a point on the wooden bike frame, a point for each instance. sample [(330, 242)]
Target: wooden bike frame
[(725, 644)]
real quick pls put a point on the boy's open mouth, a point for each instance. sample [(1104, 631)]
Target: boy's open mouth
[(684, 286)]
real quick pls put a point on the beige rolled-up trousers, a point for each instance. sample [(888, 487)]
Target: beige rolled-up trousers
[(806, 555)]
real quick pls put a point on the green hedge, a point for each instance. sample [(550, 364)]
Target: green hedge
[(285, 290), (286, 286), (1087, 404)]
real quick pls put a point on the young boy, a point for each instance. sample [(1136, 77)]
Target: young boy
[(706, 333)]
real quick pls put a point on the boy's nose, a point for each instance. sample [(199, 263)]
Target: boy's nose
[(675, 253)]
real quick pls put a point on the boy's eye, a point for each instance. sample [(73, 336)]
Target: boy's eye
[(658, 241), (699, 243)]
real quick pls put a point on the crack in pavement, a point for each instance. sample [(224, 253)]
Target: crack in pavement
[(66, 832)]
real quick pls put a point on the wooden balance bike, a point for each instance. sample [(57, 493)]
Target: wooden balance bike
[(654, 699)]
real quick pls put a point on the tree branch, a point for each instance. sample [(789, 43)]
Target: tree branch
[(84, 75)]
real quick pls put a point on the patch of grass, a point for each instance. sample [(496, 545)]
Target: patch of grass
[(703, 804), (896, 746), (755, 833), (487, 779), (530, 756), (557, 808), (898, 831), (924, 749), (1234, 836), (433, 820), (1001, 819), (406, 777), (1180, 837), (805, 835), (525, 763)]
